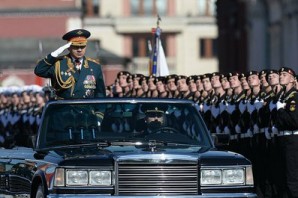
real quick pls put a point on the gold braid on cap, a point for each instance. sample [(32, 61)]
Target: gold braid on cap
[(63, 84)]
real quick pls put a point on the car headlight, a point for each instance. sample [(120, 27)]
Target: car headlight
[(226, 176), (77, 177), (100, 177)]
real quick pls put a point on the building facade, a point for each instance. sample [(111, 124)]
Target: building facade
[(123, 28), (257, 34)]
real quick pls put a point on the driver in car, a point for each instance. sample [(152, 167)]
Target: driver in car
[(154, 117)]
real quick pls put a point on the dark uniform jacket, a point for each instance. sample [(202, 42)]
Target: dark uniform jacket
[(70, 83), (287, 118)]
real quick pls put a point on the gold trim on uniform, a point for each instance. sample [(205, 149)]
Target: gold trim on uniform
[(47, 62)]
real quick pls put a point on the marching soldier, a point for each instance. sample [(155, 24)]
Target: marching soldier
[(287, 124), (207, 97), (124, 83), (73, 75), (171, 86)]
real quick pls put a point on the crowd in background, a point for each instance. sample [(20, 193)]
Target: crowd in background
[(243, 105)]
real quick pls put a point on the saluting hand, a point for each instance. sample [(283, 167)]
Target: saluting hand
[(57, 52)]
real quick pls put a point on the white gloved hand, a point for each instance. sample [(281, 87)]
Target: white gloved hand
[(272, 105), (57, 52), (256, 129), (280, 105), (274, 130), (249, 133), (237, 129), (218, 131), (227, 130), (267, 133), (258, 104)]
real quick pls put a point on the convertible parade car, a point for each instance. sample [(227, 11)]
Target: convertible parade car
[(124, 147)]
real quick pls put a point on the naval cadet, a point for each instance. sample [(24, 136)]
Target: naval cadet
[(287, 124), (73, 75)]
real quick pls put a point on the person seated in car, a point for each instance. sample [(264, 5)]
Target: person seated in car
[(155, 117)]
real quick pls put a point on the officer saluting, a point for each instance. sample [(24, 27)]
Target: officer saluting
[(73, 75)]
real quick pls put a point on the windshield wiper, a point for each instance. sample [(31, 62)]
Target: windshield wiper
[(78, 143)]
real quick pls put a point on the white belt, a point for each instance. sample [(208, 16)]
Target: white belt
[(289, 132)]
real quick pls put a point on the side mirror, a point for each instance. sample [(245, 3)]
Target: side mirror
[(221, 140)]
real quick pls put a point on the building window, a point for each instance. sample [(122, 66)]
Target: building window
[(148, 7), (140, 44), (208, 48), (91, 7), (206, 7)]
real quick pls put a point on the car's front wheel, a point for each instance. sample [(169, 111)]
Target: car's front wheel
[(40, 192)]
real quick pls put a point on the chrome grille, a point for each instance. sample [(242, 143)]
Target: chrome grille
[(157, 179)]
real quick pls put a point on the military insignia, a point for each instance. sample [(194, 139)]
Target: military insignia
[(79, 32), (89, 82), (62, 73), (292, 107)]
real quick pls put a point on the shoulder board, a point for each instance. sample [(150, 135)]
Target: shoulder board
[(93, 60), (292, 94)]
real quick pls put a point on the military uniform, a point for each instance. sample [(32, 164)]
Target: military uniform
[(70, 82)]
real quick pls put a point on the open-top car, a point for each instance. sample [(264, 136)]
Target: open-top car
[(124, 147)]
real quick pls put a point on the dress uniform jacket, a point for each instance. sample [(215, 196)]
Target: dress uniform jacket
[(70, 83)]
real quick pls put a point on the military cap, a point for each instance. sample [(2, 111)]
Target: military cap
[(215, 74), (263, 72), (143, 78), (134, 76), (160, 79), (168, 77), (147, 108), (191, 79), (125, 73), (223, 76), (288, 70), (234, 74), (250, 73), (208, 75), (243, 75), (77, 37), (180, 77)]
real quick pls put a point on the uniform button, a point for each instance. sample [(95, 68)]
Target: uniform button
[(73, 94)]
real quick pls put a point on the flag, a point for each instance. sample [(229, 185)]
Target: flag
[(159, 65)]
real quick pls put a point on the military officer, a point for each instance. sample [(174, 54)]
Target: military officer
[(73, 75), (287, 124)]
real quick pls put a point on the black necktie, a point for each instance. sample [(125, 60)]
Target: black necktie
[(78, 63)]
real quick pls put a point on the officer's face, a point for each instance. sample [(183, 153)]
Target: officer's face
[(151, 84), (182, 86), (244, 83), (273, 79), (206, 84), (192, 86), (225, 83), (136, 83), (234, 82), (160, 86), (171, 85), (264, 80), (123, 80), (215, 82), (285, 78), (253, 80), (77, 51), (199, 84)]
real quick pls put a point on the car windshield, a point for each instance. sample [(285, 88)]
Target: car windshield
[(81, 123)]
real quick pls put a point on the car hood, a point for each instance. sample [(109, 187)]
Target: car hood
[(93, 156)]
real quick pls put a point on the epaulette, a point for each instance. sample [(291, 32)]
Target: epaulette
[(93, 60), (292, 94)]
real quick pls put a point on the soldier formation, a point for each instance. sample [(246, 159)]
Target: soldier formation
[(256, 109)]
